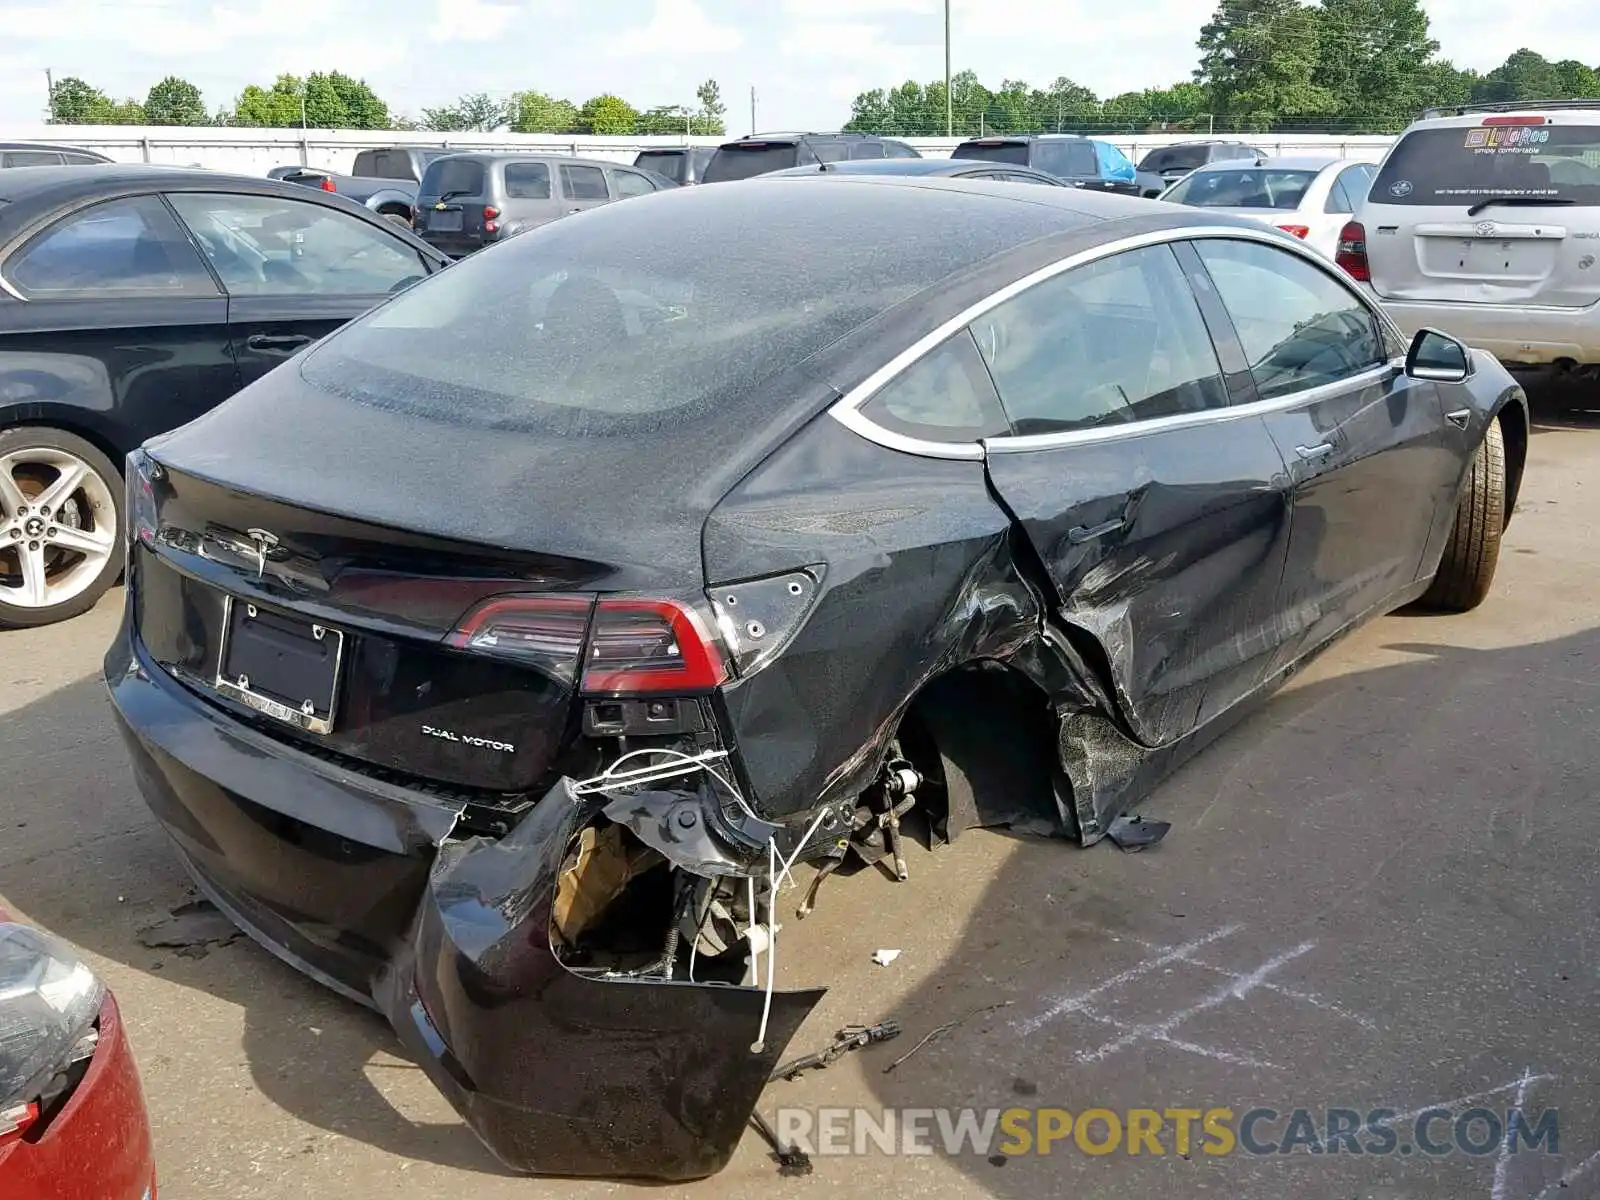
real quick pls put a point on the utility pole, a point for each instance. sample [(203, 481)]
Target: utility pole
[(949, 101), (302, 108), (50, 83), (752, 110)]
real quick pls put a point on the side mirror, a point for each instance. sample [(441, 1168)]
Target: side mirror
[(1438, 356)]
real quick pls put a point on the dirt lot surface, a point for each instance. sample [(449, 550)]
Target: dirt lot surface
[(1379, 891)]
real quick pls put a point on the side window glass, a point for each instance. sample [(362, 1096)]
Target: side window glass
[(527, 181), (1357, 183), (945, 396), (867, 150), (1338, 200), (122, 248), (270, 246), (1114, 341), (584, 183), (30, 158), (1300, 326), (630, 184)]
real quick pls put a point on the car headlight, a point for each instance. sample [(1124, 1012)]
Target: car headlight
[(49, 1002)]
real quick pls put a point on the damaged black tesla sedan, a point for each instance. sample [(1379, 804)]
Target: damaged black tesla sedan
[(495, 660)]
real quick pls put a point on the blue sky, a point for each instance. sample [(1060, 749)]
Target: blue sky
[(805, 58)]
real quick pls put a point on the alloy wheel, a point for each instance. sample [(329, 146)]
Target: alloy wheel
[(57, 526)]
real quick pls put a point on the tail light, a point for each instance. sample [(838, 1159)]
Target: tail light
[(546, 632), (1352, 253), (490, 215), (139, 499), (609, 646), (49, 1003), (327, 185), (1299, 231), (650, 646)]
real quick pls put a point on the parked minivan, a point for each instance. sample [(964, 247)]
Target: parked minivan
[(684, 165), (760, 153), (467, 201), (1484, 221)]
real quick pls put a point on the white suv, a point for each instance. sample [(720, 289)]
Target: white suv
[(1484, 221)]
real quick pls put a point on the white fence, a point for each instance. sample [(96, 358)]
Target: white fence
[(257, 151)]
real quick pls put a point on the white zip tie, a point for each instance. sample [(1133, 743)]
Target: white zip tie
[(684, 764), (772, 943)]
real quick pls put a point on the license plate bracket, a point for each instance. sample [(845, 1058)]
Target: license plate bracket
[(448, 221), (282, 666)]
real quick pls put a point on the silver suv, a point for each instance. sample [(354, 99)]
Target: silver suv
[(1484, 221)]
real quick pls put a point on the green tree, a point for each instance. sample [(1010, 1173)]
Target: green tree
[(1525, 75), (325, 108), (1369, 57), (1258, 61), (74, 102), (277, 107), (129, 112), (535, 112), (667, 119), (710, 121), (362, 107), (608, 115), (477, 113), (175, 101), (1576, 81)]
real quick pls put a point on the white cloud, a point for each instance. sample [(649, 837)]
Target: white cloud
[(471, 20), (676, 27)]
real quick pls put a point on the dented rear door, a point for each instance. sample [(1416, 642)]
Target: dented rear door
[(1157, 509)]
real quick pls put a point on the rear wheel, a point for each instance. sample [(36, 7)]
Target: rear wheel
[(60, 526), (1467, 569), (399, 218)]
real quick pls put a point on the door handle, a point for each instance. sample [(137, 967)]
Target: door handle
[(1079, 534), (1320, 450), (284, 341)]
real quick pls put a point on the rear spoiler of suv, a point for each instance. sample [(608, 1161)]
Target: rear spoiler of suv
[(1460, 110)]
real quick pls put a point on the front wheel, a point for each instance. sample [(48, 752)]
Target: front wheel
[(1466, 570), (60, 526)]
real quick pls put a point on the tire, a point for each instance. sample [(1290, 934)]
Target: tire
[(33, 459), (398, 219), (1466, 570)]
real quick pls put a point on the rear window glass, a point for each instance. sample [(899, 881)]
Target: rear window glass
[(743, 162), (1006, 152), (670, 163), (621, 324), (527, 181), (462, 176), (1176, 158), (1465, 164), (1242, 188), (1066, 158)]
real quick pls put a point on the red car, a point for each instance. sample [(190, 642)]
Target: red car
[(72, 1118)]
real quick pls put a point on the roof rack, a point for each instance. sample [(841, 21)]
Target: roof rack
[(1459, 110)]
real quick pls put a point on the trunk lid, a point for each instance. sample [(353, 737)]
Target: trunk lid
[(386, 551), (1500, 256), (1497, 209)]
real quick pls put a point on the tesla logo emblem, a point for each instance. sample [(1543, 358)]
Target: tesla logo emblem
[(1485, 228), (265, 543)]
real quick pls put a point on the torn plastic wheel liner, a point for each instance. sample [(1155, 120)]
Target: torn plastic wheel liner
[(561, 1073)]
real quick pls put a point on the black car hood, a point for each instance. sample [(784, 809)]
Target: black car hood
[(638, 505)]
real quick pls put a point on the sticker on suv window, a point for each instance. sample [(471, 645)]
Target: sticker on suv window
[(1504, 138)]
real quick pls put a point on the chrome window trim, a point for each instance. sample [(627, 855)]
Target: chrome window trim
[(5, 286), (1256, 408), (847, 409)]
